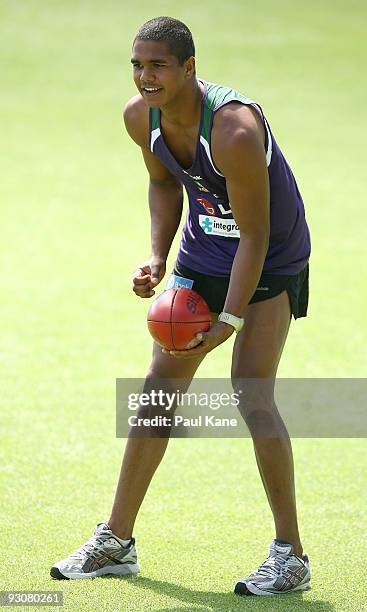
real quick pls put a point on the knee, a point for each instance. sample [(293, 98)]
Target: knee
[(256, 403), (161, 394), (155, 411), (261, 423)]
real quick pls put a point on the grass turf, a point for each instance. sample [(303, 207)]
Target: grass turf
[(74, 225)]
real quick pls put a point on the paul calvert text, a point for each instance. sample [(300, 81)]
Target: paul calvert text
[(177, 420)]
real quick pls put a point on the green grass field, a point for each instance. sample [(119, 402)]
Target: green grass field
[(74, 225)]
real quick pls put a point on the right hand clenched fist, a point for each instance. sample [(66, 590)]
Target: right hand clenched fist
[(148, 276)]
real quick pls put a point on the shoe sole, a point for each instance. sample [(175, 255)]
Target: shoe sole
[(127, 569), (254, 590)]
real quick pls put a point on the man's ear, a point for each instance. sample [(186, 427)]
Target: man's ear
[(190, 67)]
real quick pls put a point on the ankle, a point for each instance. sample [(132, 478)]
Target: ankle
[(296, 543), (124, 533), (298, 550)]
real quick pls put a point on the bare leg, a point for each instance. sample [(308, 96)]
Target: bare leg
[(143, 455), (279, 483), (256, 355)]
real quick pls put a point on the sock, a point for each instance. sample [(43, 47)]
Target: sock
[(125, 543)]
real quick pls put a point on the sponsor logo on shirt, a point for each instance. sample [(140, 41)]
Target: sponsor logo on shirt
[(215, 226), (207, 205)]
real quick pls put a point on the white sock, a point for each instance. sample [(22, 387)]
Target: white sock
[(124, 543)]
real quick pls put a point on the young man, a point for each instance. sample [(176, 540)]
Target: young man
[(245, 247)]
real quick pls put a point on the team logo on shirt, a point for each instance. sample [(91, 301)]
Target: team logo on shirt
[(215, 226), (198, 181), (207, 205)]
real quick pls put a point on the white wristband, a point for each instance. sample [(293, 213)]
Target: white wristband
[(236, 322)]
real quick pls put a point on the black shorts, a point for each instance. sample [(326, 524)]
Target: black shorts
[(214, 288)]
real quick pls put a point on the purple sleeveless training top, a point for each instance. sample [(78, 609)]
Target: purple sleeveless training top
[(210, 236)]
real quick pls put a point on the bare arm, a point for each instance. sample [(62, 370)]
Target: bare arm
[(238, 149), (165, 204), (165, 201)]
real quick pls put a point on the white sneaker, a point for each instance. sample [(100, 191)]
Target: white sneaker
[(282, 572), (102, 554)]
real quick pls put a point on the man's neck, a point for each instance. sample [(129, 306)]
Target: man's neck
[(185, 112)]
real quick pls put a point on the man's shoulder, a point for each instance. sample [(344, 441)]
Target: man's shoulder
[(135, 105), (136, 118), (233, 111), (237, 132), (218, 95), (236, 118)]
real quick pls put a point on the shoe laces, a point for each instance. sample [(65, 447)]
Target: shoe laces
[(90, 547), (272, 567)]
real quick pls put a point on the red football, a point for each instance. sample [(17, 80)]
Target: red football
[(176, 316)]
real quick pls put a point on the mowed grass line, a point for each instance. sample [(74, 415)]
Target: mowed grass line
[(74, 225)]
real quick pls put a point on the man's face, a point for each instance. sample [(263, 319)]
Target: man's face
[(157, 74)]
